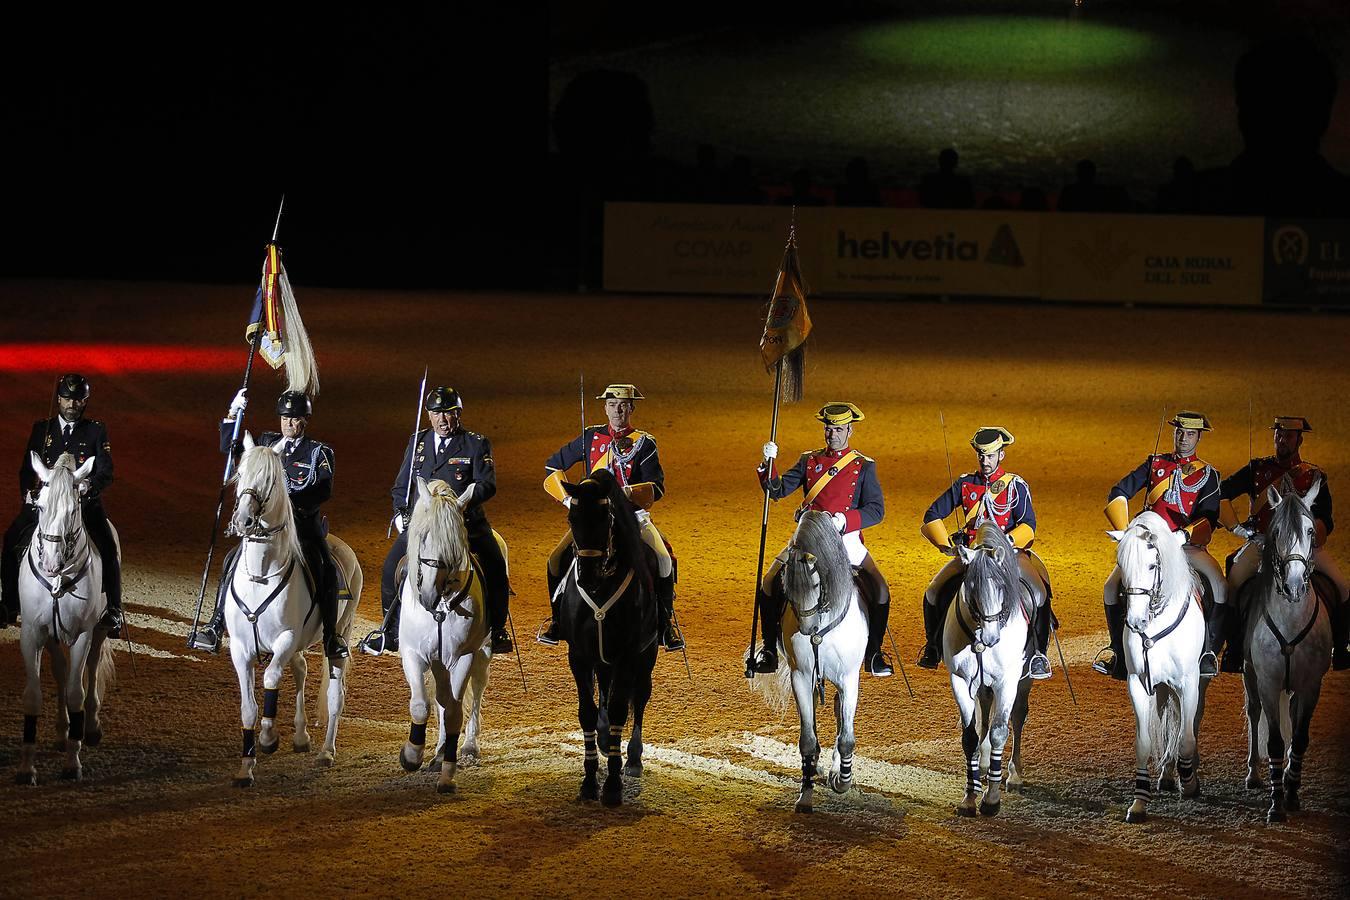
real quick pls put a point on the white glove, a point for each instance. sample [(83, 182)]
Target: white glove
[(398, 522), (840, 521), (567, 502), (239, 403), (1242, 532), (770, 450), (84, 488)]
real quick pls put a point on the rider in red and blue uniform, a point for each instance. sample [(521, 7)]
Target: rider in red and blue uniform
[(1252, 480), (987, 495), (841, 481), (1184, 490)]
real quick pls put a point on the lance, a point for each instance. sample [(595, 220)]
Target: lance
[(764, 522), (585, 451), (412, 453), (229, 458), (951, 479)]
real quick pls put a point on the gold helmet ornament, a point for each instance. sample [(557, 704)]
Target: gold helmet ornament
[(1190, 420)]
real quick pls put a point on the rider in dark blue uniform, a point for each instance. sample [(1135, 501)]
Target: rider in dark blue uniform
[(463, 460), (68, 432), (309, 483)]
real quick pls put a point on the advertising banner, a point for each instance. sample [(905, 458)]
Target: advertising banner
[(1151, 259), (1307, 261)]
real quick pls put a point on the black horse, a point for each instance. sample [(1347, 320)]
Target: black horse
[(609, 620)]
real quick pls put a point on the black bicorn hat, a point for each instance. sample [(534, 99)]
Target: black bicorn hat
[(295, 405), (442, 399), (73, 387)]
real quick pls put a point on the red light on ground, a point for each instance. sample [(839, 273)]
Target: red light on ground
[(114, 359)]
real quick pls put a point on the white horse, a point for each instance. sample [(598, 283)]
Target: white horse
[(443, 627), (270, 609), (984, 637), (61, 599), (824, 638), (1288, 649), (1166, 633)]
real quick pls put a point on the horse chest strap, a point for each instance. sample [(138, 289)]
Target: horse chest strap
[(816, 638)]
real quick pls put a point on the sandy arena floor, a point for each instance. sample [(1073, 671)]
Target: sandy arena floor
[(1082, 389)]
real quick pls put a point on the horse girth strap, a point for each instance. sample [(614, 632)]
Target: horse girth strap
[(1287, 647), (829, 475)]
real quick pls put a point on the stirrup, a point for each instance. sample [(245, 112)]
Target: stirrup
[(765, 662), (206, 639), (878, 667), (1040, 672), (671, 639), (548, 634), (929, 658), (501, 641), (1209, 664), (336, 648), (372, 644)]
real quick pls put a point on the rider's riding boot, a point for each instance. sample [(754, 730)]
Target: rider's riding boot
[(671, 639), (550, 634), (1038, 666), (1114, 665), (932, 629), (334, 645), (1214, 634), (112, 615), (873, 659), (770, 627), (1340, 624), (208, 636), (501, 640)]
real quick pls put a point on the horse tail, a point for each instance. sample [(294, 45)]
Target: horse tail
[(1164, 728)]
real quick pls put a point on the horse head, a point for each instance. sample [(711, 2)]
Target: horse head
[(1153, 567), (439, 542), (817, 576), (990, 584), (1291, 538), (58, 506), (256, 486), (595, 515)]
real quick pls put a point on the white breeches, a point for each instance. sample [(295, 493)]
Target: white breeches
[(1248, 561), (857, 552), (953, 569), (1200, 561)]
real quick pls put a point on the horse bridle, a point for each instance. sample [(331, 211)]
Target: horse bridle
[(816, 634), (1154, 594), (1155, 606), (1282, 564), (609, 566)]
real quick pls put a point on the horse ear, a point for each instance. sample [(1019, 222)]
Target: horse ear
[(1115, 535), (964, 553), (422, 489), (1313, 491), (1180, 537), (43, 473), (84, 471), (570, 488), (248, 441), (1272, 497)]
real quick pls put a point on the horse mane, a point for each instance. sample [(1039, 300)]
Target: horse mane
[(997, 566), (260, 469), (816, 534), (627, 533), (1150, 530), (436, 529)]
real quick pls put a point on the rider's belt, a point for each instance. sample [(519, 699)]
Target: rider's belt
[(843, 462)]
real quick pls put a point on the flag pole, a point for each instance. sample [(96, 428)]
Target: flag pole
[(764, 523), (229, 460)]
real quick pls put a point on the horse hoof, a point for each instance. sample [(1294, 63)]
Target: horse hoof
[(244, 782), (446, 787), (990, 809), (409, 765), (1013, 787), (1191, 788), (269, 749), (324, 760), (589, 791), (1291, 802), (27, 779), (837, 784), (468, 758), (612, 795), (1134, 818), (1167, 785), (1254, 782), (70, 775), (1274, 816), (93, 738), (804, 806), (301, 748), (633, 769)]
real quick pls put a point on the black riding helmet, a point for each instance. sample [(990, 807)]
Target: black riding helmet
[(73, 387), (295, 405), (443, 399)]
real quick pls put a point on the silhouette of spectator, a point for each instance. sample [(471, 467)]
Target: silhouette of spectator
[(1285, 88), (996, 200), (944, 189), (705, 182), (741, 186), (1033, 200), (1083, 195), (857, 189), (802, 191), (1178, 195)]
